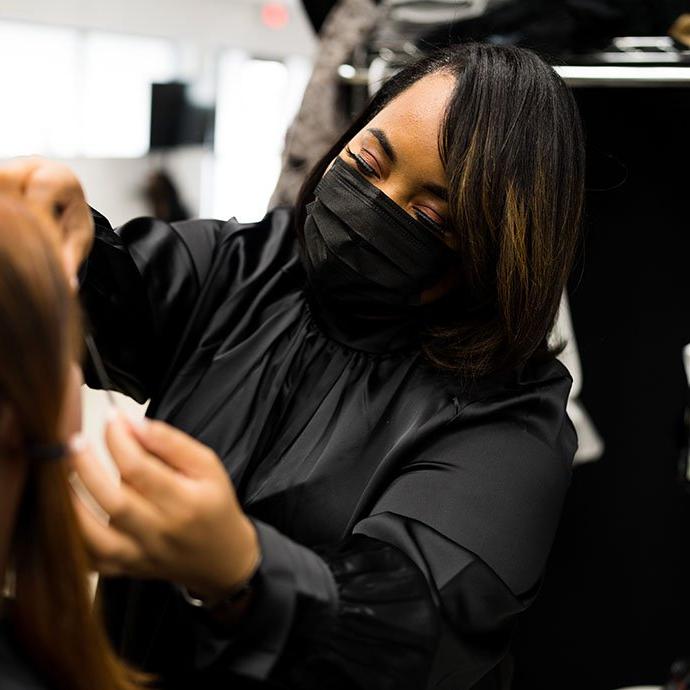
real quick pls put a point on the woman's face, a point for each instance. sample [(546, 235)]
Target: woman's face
[(398, 152)]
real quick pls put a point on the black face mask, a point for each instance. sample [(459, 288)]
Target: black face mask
[(362, 249)]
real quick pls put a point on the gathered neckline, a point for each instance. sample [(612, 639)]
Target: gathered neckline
[(359, 335)]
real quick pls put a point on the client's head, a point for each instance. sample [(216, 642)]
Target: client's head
[(39, 335), (41, 552)]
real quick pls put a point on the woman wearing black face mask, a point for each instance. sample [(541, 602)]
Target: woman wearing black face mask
[(372, 373)]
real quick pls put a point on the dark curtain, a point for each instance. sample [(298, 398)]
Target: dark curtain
[(614, 608)]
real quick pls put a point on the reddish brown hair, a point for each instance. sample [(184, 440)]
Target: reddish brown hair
[(51, 615)]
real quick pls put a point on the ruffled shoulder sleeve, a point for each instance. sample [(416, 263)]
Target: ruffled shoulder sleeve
[(142, 285), (425, 591), (495, 481)]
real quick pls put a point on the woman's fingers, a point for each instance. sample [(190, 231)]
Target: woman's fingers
[(184, 526), (55, 189), (127, 511), (102, 487), (111, 552), (146, 474), (55, 193), (15, 173), (176, 448)]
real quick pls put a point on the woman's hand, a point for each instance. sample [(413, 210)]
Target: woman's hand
[(55, 193), (173, 516)]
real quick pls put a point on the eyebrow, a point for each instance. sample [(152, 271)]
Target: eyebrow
[(435, 189), (385, 143)]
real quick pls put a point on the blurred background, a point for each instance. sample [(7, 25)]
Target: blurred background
[(218, 108), (203, 90)]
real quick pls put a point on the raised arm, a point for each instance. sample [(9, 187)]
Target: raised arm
[(140, 286)]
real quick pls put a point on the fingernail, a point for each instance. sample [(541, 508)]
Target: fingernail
[(136, 421), (77, 443), (112, 413)]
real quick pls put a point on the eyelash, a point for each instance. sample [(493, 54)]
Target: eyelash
[(362, 165), (368, 171), (432, 224)]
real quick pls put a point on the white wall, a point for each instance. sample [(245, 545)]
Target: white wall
[(114, 185), (199, 30), (208, 23)]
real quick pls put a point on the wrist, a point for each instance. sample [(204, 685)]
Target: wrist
[(249, 564), (236, 585), (210, 602)]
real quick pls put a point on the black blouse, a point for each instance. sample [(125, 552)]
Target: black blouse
[(404, 519), (17, 670)]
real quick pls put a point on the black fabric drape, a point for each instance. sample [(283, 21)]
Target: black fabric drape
[(405, 519), (612, 612)]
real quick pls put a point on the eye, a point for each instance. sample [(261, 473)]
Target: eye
[(362, 165), (437, 226)]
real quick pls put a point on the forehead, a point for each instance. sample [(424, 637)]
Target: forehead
[(413, 119)]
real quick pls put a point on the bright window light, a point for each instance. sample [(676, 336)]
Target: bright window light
[(38, 82), (118, 72), (256, 102), (72, 93)]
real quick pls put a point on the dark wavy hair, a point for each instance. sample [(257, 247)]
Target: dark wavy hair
[(513, 150)]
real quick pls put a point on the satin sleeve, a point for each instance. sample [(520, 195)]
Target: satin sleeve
[(149, 287), (425, 591), (138, 288), (365, 615)]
